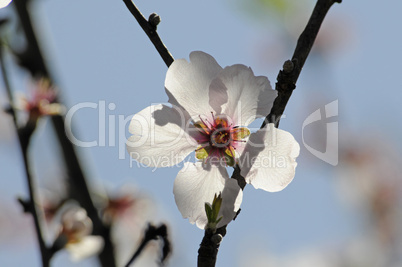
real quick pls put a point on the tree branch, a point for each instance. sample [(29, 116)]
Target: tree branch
[(286, 83), (33, 60), (287, 78), (208, 251), (149, 27)]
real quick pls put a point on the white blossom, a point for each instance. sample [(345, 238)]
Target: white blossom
[(210, 109)]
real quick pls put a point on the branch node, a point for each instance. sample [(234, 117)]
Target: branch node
[(217, 238), (154, 19), (288, 66)]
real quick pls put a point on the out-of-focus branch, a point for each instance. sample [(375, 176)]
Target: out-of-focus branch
[(24, 135), (32, 59), (153, 233), (149, 27)]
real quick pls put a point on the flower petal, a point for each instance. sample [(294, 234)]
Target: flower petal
[(242, 96), (159, 138), (187, 83), (197, 183), (86, 247), (232, 196), (269, 159)]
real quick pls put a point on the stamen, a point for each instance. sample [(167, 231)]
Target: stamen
[(217, 137), (204, 122)]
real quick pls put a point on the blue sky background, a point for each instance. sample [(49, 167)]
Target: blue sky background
[(98, 52)]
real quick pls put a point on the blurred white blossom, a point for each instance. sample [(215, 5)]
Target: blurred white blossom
[(75, 228)]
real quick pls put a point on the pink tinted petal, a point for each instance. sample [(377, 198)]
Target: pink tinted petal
[(187, 83), (269, 159), (158, 138), (241, 95), (196, 184)]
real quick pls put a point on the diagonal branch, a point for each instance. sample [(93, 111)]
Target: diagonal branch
[(287, 78), (149, 27)]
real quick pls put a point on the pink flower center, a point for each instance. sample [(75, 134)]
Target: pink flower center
[(218, 140)]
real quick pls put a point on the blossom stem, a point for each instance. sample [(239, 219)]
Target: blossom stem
[(150, 29), (208, 251)]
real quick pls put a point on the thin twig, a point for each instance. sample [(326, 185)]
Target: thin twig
[(287, 78), (153, 233), (24, 135), (149, 27), (33, 60)]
